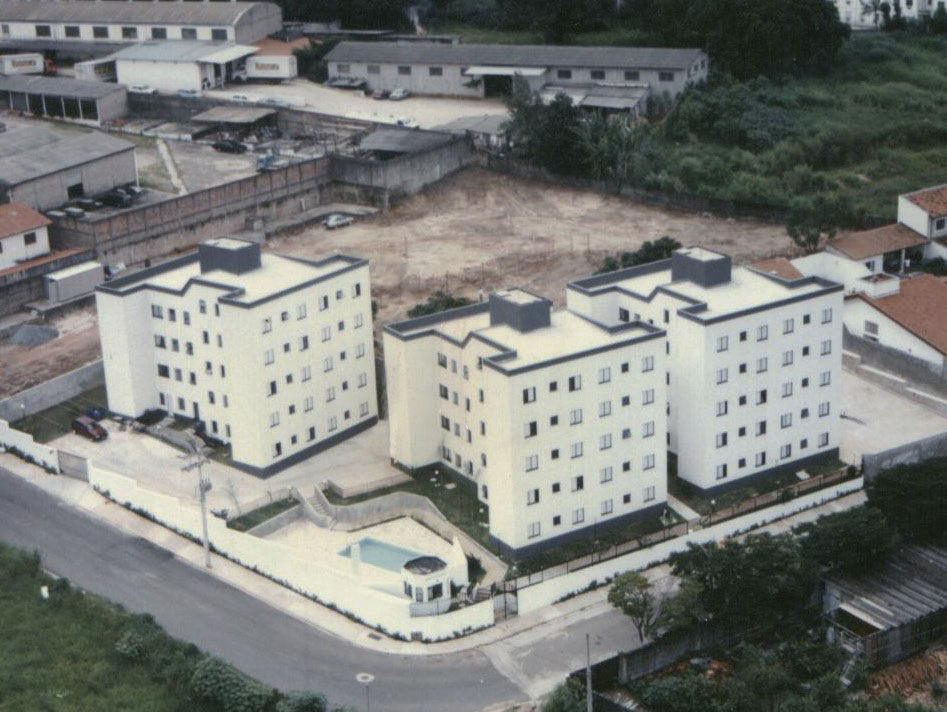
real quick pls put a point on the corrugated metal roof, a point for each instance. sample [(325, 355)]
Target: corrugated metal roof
[(233, 115), (59, 86), (32, 161), (184, 51), (515, 55), (175, 12), (403, 140), (487, 124)]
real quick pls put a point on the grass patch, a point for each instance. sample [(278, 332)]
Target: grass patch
[(253, 518), (54, 422)]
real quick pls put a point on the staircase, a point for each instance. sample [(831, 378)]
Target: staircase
[(316, 509)]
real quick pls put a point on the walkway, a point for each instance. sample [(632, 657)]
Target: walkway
[(681, 508)]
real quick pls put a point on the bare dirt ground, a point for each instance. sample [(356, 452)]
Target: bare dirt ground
[(482, 230), (476, 230), (77, 344)]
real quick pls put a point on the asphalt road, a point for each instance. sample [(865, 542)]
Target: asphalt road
[(267, 644)]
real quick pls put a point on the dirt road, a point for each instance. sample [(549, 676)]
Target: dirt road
[(482, 230), (475, 230)]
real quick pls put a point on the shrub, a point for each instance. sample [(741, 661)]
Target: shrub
[(440, 301), (302, 702), (219, 682)]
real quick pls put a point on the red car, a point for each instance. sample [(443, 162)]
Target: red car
[(88, 428)]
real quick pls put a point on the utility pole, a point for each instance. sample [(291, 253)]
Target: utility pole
[(204, 486), (588, 674)]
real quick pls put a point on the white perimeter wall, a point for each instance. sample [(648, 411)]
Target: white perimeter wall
[(547, 592), (280, 562), (164, 76), (47, 457)]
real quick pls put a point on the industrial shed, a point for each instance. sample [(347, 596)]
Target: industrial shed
[(81, 27), (887, 615), (385, 144), (45, 170), (56, 97), (170, 66), (476, 70)]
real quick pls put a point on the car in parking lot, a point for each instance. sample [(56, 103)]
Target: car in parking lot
[(399, 94), (240, 97), (229, 145), (88, 428), (381, 94), (142, 89), (274, 101), (337, 220), (189, 93)]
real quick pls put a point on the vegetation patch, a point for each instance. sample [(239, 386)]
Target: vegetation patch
[(54, 422), (255, 517)]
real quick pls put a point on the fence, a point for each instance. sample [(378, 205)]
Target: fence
[(746, 507), (505, 163), (52, 392), (24, 445), (876, 462)]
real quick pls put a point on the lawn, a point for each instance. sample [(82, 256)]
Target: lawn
[(247, 521), (49, 424)]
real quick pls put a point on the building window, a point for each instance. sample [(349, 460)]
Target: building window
[(100, 32), (404, 71), (788, 326), (647, 396), (722, 375), (575, 416), (823, 439), (532, 496), (277, 449), (787, 358), (129, 33), (606, 507), (530, 429), (435, 71), (43, 31), (308, 403), (598, 74), (761, 397), (163, 371), (827, 315), (761, 427), (575, 450), (647, 462), (647, 429), (723, 343), (647, 364), (327, 364), (532, 530), (825, 378), (529, 395), (333, 423), (575, 383), (604, 375), (604, 409), (271, 389), (269, 357), (374, 69), (578, 515), (532, 463), (785, 420), (632, 76), (218, 34), (303, 343), (823, 409), (605, 475), (274, 419), (787, 389), (563, 74), (72, 30), (666, 76), (760, 459), (762, 333), (159, 33), (721, 408), (721, 472), (785, 451), (721, 439), (157, 312), (762, 364), (623, 314), (648, 494), (605, 441), (826, 347)]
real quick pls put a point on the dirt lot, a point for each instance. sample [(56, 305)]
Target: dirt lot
[(476, 230), (483, 230)]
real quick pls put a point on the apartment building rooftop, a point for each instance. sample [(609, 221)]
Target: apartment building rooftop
[(714, 289), (238, 267), (525, 331)]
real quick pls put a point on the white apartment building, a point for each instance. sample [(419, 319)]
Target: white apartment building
[(753, 365), (558, 421), (273, 353)]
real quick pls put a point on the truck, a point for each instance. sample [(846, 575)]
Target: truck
[(27, 63), (275, 67), (96, 70)]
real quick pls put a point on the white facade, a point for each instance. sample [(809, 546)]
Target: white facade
[(925, 211), (274, 354), (867, 15), (753, 365), (864, 320), (21, 243), (272, 67), (558, 421)]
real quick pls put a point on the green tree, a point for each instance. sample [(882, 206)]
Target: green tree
[(609, 147), (813, 220), (545, 135), (438, 302), (913, 498), (939, 20), (631, 594), (567, 697), (310, 60), (682, 611), (660, 249), (829, 540), (302, 702)]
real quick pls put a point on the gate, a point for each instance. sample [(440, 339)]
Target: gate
[(73, 466), (505, 601)]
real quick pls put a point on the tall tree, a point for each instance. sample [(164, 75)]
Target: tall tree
[(631, 594), (914, 499), (829, 540), (813, 220)]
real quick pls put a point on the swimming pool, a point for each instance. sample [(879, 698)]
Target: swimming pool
[(382, 554)]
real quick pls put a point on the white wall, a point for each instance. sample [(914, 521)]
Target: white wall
[(838, 268), (27, 31), (47, 457), (334, 586), (890, 333), (552, 590), (271, 67), (913, 217), (14, 249), (164, 76)]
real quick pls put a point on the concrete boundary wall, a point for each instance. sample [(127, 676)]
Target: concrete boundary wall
[(20, 286), (331, 586), (552, 590), (43, 455), (52, 392), (910, 453)]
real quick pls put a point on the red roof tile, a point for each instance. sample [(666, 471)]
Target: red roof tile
[(779, 266), (932, 201), (869, 243), (921, 308), (20, 217)]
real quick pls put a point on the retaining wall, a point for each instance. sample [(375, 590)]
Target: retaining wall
[(922, 373), (876, 462), (329, 585), (46, 457), (17, 287), (552, 590), (52, 392)]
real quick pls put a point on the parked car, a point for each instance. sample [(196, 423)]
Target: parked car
[(239, 97), (399, 94), (88, 428), (95, 412), (189, 93), (116, 198), (337, 220), (142, 89), (381, 94), (229, 145)]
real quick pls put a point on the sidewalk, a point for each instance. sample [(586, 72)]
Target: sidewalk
[(546, 622)]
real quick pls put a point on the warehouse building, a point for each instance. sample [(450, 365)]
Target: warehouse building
[(61, 98), (45, 170), (274, 354), (77, 26), (754, 360), (487, 70), (170, 66), (557, 421)]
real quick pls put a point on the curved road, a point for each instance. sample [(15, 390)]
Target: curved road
[(267, 644)]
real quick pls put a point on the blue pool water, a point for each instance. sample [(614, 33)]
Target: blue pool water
[(382, 554)]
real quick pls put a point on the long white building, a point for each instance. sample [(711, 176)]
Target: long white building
[(753, 365), (557, 420), (273, 353)]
